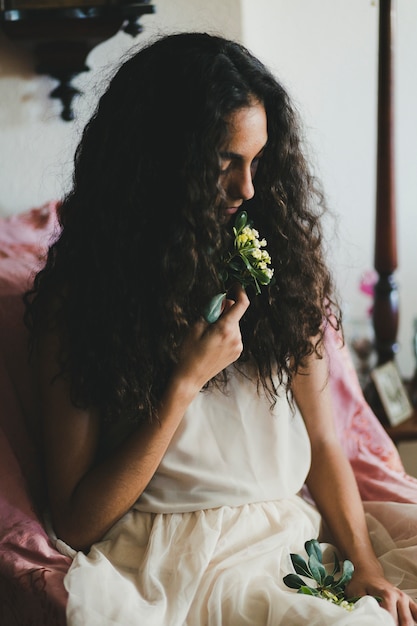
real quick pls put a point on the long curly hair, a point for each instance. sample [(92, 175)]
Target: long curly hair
[(142, 233)]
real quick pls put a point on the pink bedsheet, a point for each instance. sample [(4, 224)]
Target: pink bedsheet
[(31, 570)]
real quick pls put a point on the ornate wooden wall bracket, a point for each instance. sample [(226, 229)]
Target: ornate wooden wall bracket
[(62, 38)]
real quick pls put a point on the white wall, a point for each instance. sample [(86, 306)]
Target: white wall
[(325, 51), (36, 146)]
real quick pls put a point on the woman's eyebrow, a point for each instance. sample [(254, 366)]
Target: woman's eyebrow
[(235, 155)]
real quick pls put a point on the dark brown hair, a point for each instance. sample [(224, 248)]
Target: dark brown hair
[(142, 232)]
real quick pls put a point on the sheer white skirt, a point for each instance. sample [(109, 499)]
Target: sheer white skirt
[(225, 566)]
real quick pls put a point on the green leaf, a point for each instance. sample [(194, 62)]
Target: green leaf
[(260, 276), (328, 581), (241, 221), (313, 547), (347, 574), (338, 591), (300, 565), (293, 581), (247, 262), (316, 568), (235, 265), (308, 591), (248, 249), (257, 287), (212, 311), (336, 564), (224, 275)]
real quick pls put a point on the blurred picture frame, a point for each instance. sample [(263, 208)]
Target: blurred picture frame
[(392, 393)]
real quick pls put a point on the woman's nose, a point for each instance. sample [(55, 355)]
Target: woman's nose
[(242, 185)]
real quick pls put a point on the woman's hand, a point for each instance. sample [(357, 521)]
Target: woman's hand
[(371, 581), (210, 348)]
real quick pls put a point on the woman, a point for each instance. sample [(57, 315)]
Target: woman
[(177, 441)]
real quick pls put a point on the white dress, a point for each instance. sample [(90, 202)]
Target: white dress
[(208, 542)]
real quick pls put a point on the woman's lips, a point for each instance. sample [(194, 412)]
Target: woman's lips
[(231, 210)]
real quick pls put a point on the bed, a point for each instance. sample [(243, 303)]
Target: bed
[(31, 568)]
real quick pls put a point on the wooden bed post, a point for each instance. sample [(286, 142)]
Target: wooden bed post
[(385, 312)]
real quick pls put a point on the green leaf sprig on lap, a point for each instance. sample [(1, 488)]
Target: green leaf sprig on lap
[(326, 586), (247, 263)]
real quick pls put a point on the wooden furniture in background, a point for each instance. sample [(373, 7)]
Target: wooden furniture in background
[(385, 309), (61, 34), (385, 306), (407, 431)]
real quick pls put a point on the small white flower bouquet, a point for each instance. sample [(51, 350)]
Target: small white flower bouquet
[(247, 263)]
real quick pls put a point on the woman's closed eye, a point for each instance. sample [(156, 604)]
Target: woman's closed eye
[(254, 164), (230, 161), (225, 163)]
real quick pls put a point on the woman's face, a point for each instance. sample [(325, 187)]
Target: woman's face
[(240, 156)]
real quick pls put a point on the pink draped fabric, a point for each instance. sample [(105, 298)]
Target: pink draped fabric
[(31, 569), (375, 459)]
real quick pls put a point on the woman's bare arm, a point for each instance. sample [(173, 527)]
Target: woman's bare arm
[(333, 486), (86, 499)]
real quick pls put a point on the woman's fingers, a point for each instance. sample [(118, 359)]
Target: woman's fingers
[(220, 303), (413, 609), (402, 608), (234, 309), (210, 348)]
